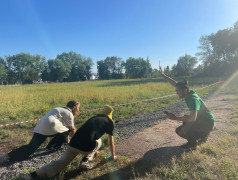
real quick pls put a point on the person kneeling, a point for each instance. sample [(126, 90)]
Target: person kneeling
[(86, 141), (57, 123)]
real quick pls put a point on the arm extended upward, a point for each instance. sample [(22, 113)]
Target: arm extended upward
[(169, 79)]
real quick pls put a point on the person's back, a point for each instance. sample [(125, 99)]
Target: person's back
[(86, 136), (58, 123), (86, 141), (204, 115), (55, 121)]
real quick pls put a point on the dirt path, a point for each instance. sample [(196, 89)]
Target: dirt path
[(160, 142)]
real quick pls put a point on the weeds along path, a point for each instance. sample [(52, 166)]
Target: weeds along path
[(151, 136)]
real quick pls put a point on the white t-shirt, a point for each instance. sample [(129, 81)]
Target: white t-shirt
[(55, 121)]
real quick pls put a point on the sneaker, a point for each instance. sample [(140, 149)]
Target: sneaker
[(86, 165), (3, 158), (27, 177), (189, 146)]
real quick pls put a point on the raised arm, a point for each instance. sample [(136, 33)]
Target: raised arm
[(169, 79)]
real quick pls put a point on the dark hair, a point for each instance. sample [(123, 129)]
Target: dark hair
[(71, 104), (182, 85)]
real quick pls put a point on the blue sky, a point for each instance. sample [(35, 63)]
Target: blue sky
[(160, 29)]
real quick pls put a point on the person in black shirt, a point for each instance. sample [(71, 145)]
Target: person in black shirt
[(86, 141)]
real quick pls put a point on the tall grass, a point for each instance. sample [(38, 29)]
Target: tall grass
[(21, 103), (33, 101)]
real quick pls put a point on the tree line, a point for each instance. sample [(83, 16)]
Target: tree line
[(218, 55)]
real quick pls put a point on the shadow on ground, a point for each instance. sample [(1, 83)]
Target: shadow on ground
[(151, 159), (39, 153)]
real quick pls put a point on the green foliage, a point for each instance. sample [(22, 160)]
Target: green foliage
[(24, 67), (137, 67), (185, 65), (218, 51), (110, 68), (3, 70), (20, 103), (81, 66)]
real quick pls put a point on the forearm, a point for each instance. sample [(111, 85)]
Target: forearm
[(72, 130), (111, 146), (170, 80), (187, 118)]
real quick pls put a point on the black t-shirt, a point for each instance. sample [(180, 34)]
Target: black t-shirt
[(86, 136)]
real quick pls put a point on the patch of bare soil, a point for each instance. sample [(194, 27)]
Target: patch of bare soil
[(9, 143), (160, 143)]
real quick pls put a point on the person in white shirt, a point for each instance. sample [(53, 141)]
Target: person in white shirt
[(58, 123), (86, 141)]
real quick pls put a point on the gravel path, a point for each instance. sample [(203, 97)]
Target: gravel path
[(123, 130)]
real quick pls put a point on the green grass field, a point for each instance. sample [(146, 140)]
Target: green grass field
[(27, 102), (20, 103), (217, 161)]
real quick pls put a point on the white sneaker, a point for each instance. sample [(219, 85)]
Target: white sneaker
[(86, 165), (3, 158), (27, 177)]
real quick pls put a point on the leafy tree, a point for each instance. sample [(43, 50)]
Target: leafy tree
[(58, 70), (24, 67), (62, 69), (34, 70), (206, 53), (111, 67), (3, 71), (115, 67), (185, 65), (88, 62), (155, 73), (219, 51), (167, 70), (137, 68), (81, 66), (173, 70), (103, 70)]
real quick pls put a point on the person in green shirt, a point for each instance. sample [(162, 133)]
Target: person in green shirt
[(199, 123)]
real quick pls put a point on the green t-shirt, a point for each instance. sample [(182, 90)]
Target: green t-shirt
[(194, 102)]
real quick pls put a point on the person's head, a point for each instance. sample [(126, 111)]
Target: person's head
[(74, 106), (106, 110), (182, 89)]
